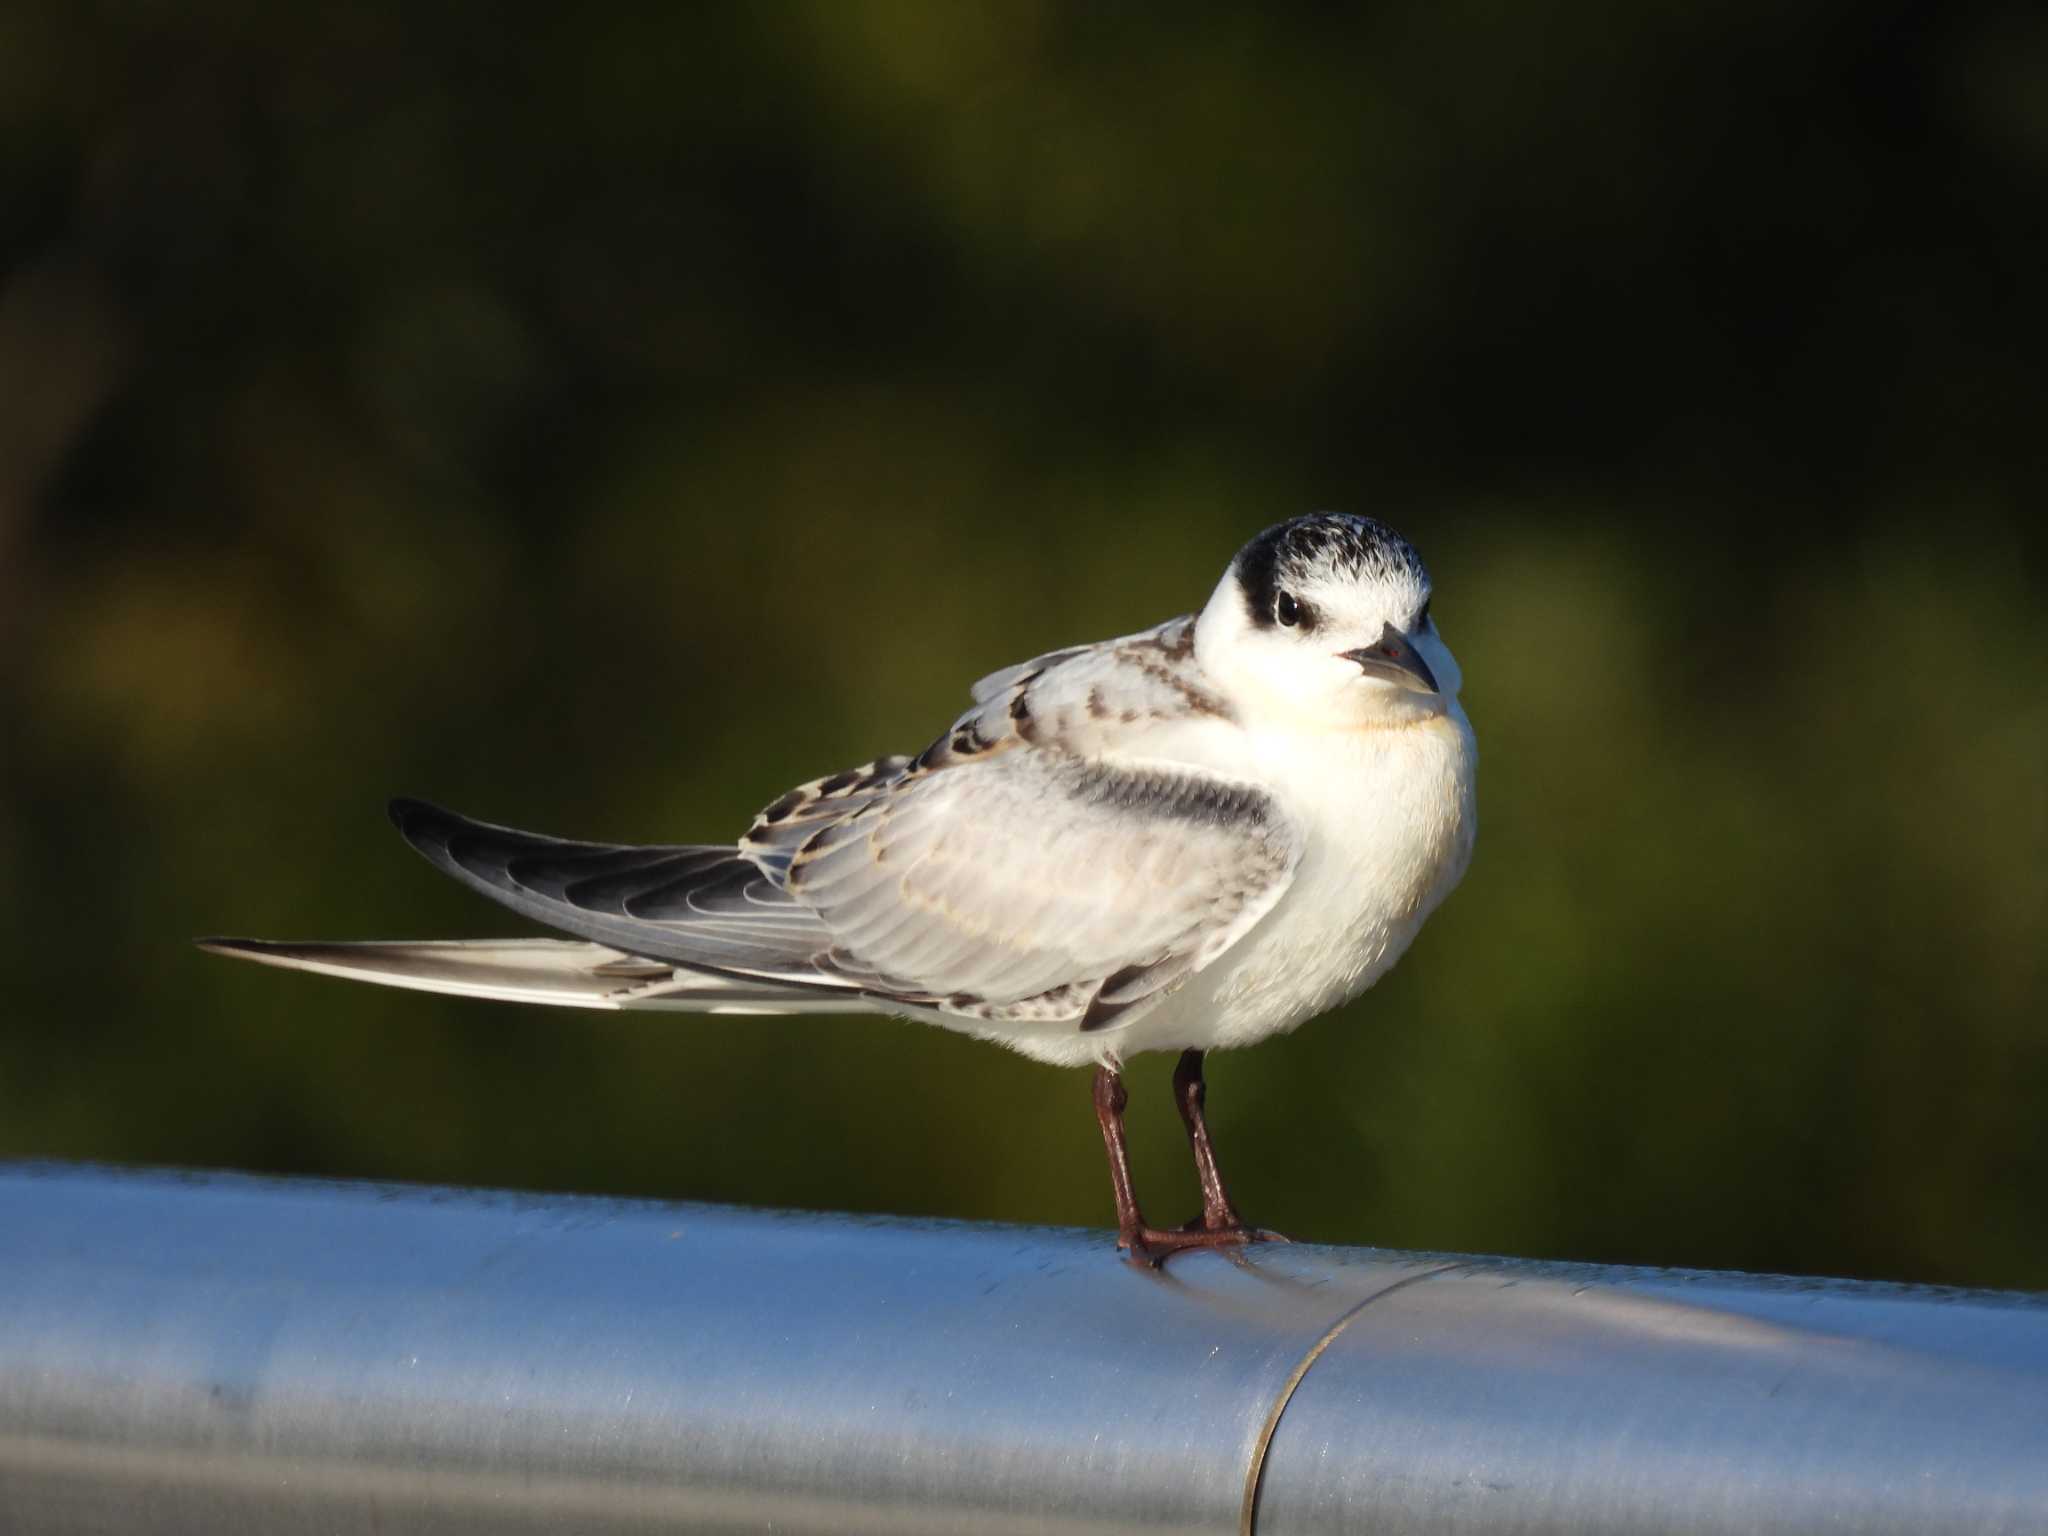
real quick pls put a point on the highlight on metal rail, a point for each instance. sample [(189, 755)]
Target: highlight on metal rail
[(221, 1354)]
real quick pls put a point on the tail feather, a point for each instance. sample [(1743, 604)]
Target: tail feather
[(564, 972)]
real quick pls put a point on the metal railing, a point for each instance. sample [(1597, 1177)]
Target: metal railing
[(219, 1354)]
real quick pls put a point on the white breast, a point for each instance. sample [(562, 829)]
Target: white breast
[(1390, 815)]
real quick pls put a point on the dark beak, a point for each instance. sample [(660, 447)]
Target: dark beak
[(1393, 658)]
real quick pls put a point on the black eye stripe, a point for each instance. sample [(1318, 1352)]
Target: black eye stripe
[(1320, 548), (1331, 543)]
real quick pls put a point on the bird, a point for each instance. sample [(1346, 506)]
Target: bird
[(1189, 838)]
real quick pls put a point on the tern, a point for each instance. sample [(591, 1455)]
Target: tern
[(1193, 837)]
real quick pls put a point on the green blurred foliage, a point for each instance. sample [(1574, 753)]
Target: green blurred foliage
[(600, 418)]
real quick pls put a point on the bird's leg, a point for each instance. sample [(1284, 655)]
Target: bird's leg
[(1110, 1100), (1148, 1244), (1190, 1094)]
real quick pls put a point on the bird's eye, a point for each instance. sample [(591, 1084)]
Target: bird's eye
[(1286, 609), (1422, 618)]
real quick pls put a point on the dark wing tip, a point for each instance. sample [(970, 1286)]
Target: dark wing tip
[(429, 827), (405, 811)]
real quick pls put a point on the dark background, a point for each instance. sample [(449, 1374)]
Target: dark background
[(601, 419)]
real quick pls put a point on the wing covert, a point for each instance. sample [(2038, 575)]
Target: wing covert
[(1033, 885)]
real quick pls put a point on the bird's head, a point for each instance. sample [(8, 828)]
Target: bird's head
[(1323, 621)]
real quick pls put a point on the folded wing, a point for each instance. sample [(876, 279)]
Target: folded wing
[(1055, 859), (1040, 888)]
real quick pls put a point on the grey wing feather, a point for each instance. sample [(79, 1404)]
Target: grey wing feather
[(1037, 888), (705, 907), (1025, 868), (1170, 641), (1002, 681)]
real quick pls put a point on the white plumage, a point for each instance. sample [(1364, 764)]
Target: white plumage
[(1195, 836)]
